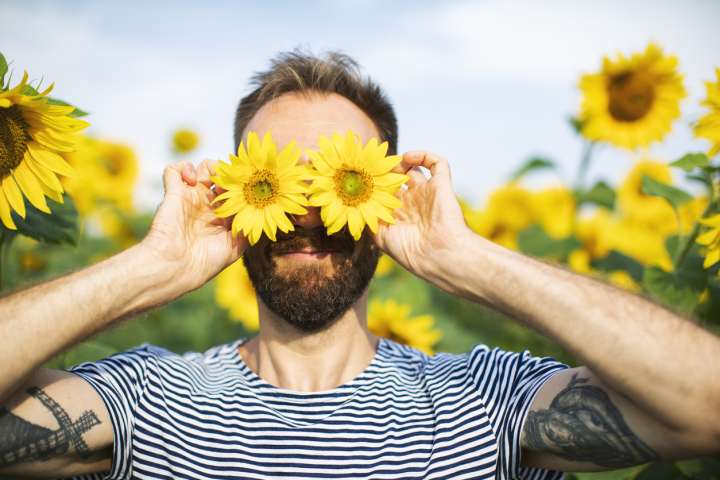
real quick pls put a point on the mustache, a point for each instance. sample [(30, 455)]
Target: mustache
[(314, 238)]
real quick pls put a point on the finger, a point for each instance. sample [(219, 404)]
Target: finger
[(437, 165), (212, 171), (205, 171), (189, 175), (173, 177), (416, 177)]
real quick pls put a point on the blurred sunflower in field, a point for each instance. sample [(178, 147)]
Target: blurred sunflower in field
[(385, 266), (594, 233), (708, 126), (554, 210), (650, 211), (632, 101), (353, 184), (234, 292), (602, 232), (263, 186), (32, 132), (508, 210), (392, 320), (185, 140), (711, 240), (106, 175), (512, 208)]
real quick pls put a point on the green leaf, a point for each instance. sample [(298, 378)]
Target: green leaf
[(3, 70), (59, 227), (675, 196), (659, 471), (534, 241), (531, 165), (680, 289), (576, 124), (690, 161), (618, 261), (690, 467), (75, 113), (703, 178), (600, 194), (672, 245), (29, 90)]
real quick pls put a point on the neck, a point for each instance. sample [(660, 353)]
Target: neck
[(310, 362)]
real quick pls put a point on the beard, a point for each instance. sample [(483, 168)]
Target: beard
[(305, 295)]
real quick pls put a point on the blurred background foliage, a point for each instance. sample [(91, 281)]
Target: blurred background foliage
[(651, 234)]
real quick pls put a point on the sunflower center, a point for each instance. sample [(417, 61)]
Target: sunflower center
[(112, 165), (262, 188), (353, 186), (14, 138), (631, 96)]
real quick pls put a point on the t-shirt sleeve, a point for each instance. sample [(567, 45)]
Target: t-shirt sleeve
[(120, 380), (507, 383)]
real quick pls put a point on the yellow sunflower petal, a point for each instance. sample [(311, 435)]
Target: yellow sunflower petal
[(50, 160), (5, 213), (369, 217), (322, 198), (30, 187), (708, 237), (43, 174), (711, 221), (355, 222), (712, 258), (269, 226), (14, 195), (382, 165), (290, 206), (339, 222)]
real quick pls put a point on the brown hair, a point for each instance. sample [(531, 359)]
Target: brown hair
[(305, 73)]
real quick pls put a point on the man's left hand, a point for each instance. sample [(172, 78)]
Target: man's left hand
[(430, 223)]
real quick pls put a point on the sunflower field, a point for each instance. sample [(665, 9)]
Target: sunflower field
[(66, 201)]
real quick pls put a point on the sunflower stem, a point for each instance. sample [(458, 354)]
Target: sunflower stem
[(584, 164), (690, 239)]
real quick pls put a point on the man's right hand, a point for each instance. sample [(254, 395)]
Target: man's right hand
[(185, 231)]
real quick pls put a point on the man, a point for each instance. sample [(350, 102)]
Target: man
[(314, 394)]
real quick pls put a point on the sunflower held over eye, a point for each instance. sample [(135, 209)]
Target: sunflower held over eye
[(32, 132), (263, 186), (632, 101), (708, 126), (353, 184)]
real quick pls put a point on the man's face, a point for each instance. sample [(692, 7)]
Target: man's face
[(307, 277)]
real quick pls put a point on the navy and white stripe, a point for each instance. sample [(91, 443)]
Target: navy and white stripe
[(406, 416)]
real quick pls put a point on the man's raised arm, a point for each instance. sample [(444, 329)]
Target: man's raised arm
[(651, 384), (53, 422)]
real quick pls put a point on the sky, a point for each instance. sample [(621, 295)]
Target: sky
[(486, 84)]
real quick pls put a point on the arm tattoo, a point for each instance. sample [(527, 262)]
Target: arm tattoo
[(22, 441), (582, 424)]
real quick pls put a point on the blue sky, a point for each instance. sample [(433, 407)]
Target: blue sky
[(485, 84)]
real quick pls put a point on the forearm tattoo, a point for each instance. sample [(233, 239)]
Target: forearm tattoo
[(22, 441), (582, 424)]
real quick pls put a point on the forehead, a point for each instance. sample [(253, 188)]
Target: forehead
[(303, 118)]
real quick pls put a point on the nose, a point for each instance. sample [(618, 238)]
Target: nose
[(309, 220)]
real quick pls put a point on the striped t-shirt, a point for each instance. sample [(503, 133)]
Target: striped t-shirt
[(408, 415)]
